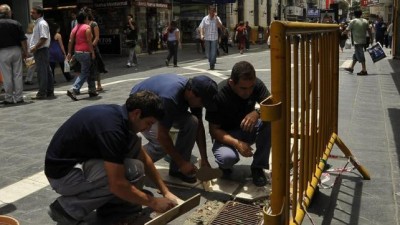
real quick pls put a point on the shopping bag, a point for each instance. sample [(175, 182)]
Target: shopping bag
[(347, 44), (376, 52), (29, 62), (67, 69)]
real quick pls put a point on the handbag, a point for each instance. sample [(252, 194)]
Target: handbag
[(376, 52), (67, 68)]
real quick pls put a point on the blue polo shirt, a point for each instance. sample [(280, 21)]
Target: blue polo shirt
[(94, 132), (170, 88)]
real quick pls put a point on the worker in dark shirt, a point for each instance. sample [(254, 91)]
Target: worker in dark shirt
[(178, 94), (13, 49), (95, 161), (236, 124)]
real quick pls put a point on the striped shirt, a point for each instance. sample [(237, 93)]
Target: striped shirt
[(40, 30), (210, 26)]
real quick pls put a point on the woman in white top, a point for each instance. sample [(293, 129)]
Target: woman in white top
[(173, 42)]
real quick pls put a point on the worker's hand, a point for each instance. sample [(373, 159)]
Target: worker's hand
[(249, 121), (173, 198), (244, 149), (188, 168), (161, 205)]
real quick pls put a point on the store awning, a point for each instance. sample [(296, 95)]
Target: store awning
[(207, 1)]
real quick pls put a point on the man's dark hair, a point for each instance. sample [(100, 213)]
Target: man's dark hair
[(243, 70), (357, 13), (148, 102), (38, 9)]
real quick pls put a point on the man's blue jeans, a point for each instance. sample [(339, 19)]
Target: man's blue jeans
[(226, 156), (211, 51)]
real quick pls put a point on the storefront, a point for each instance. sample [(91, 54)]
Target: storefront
[(190, 18), (151, 19)]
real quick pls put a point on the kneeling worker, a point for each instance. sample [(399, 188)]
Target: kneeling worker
[(95, 161), (236, 124)]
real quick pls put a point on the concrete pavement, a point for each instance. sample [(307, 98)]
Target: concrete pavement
[(369, 124)]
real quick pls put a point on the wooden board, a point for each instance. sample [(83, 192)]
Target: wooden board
[(176, 211)]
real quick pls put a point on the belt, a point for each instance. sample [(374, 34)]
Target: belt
[(81, 52)]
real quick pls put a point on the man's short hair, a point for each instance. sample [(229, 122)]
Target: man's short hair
[(243, 70), (149, 103), (5, 11), (357, 13), (38, 9)]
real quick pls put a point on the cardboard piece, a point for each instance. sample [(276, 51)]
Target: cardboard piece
[(176, 211)]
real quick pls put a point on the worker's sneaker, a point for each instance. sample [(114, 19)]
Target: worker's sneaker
[(259, 178), (183, 177), (59, 215)]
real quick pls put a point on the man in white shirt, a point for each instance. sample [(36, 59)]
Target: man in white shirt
[(39, 46), (209, 33)]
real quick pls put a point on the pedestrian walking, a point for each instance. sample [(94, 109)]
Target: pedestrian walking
[(98, 66), (131, 41), (74, 22), (209, 33), (358, 28), (199, 43), (390, 34), (80, 40), (30, 60), (342, 35), (224, 40), (380, 29), (173, 42), (13, 49), (57, 52), (39, 46), (248, 35), (95, 161), (240, 35)]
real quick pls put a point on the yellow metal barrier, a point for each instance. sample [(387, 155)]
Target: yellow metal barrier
[(303, 107)]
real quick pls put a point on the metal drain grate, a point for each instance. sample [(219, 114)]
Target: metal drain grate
[(236, 213)]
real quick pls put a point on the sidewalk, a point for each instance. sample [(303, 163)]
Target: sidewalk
[(369, 124), (116, 64)]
